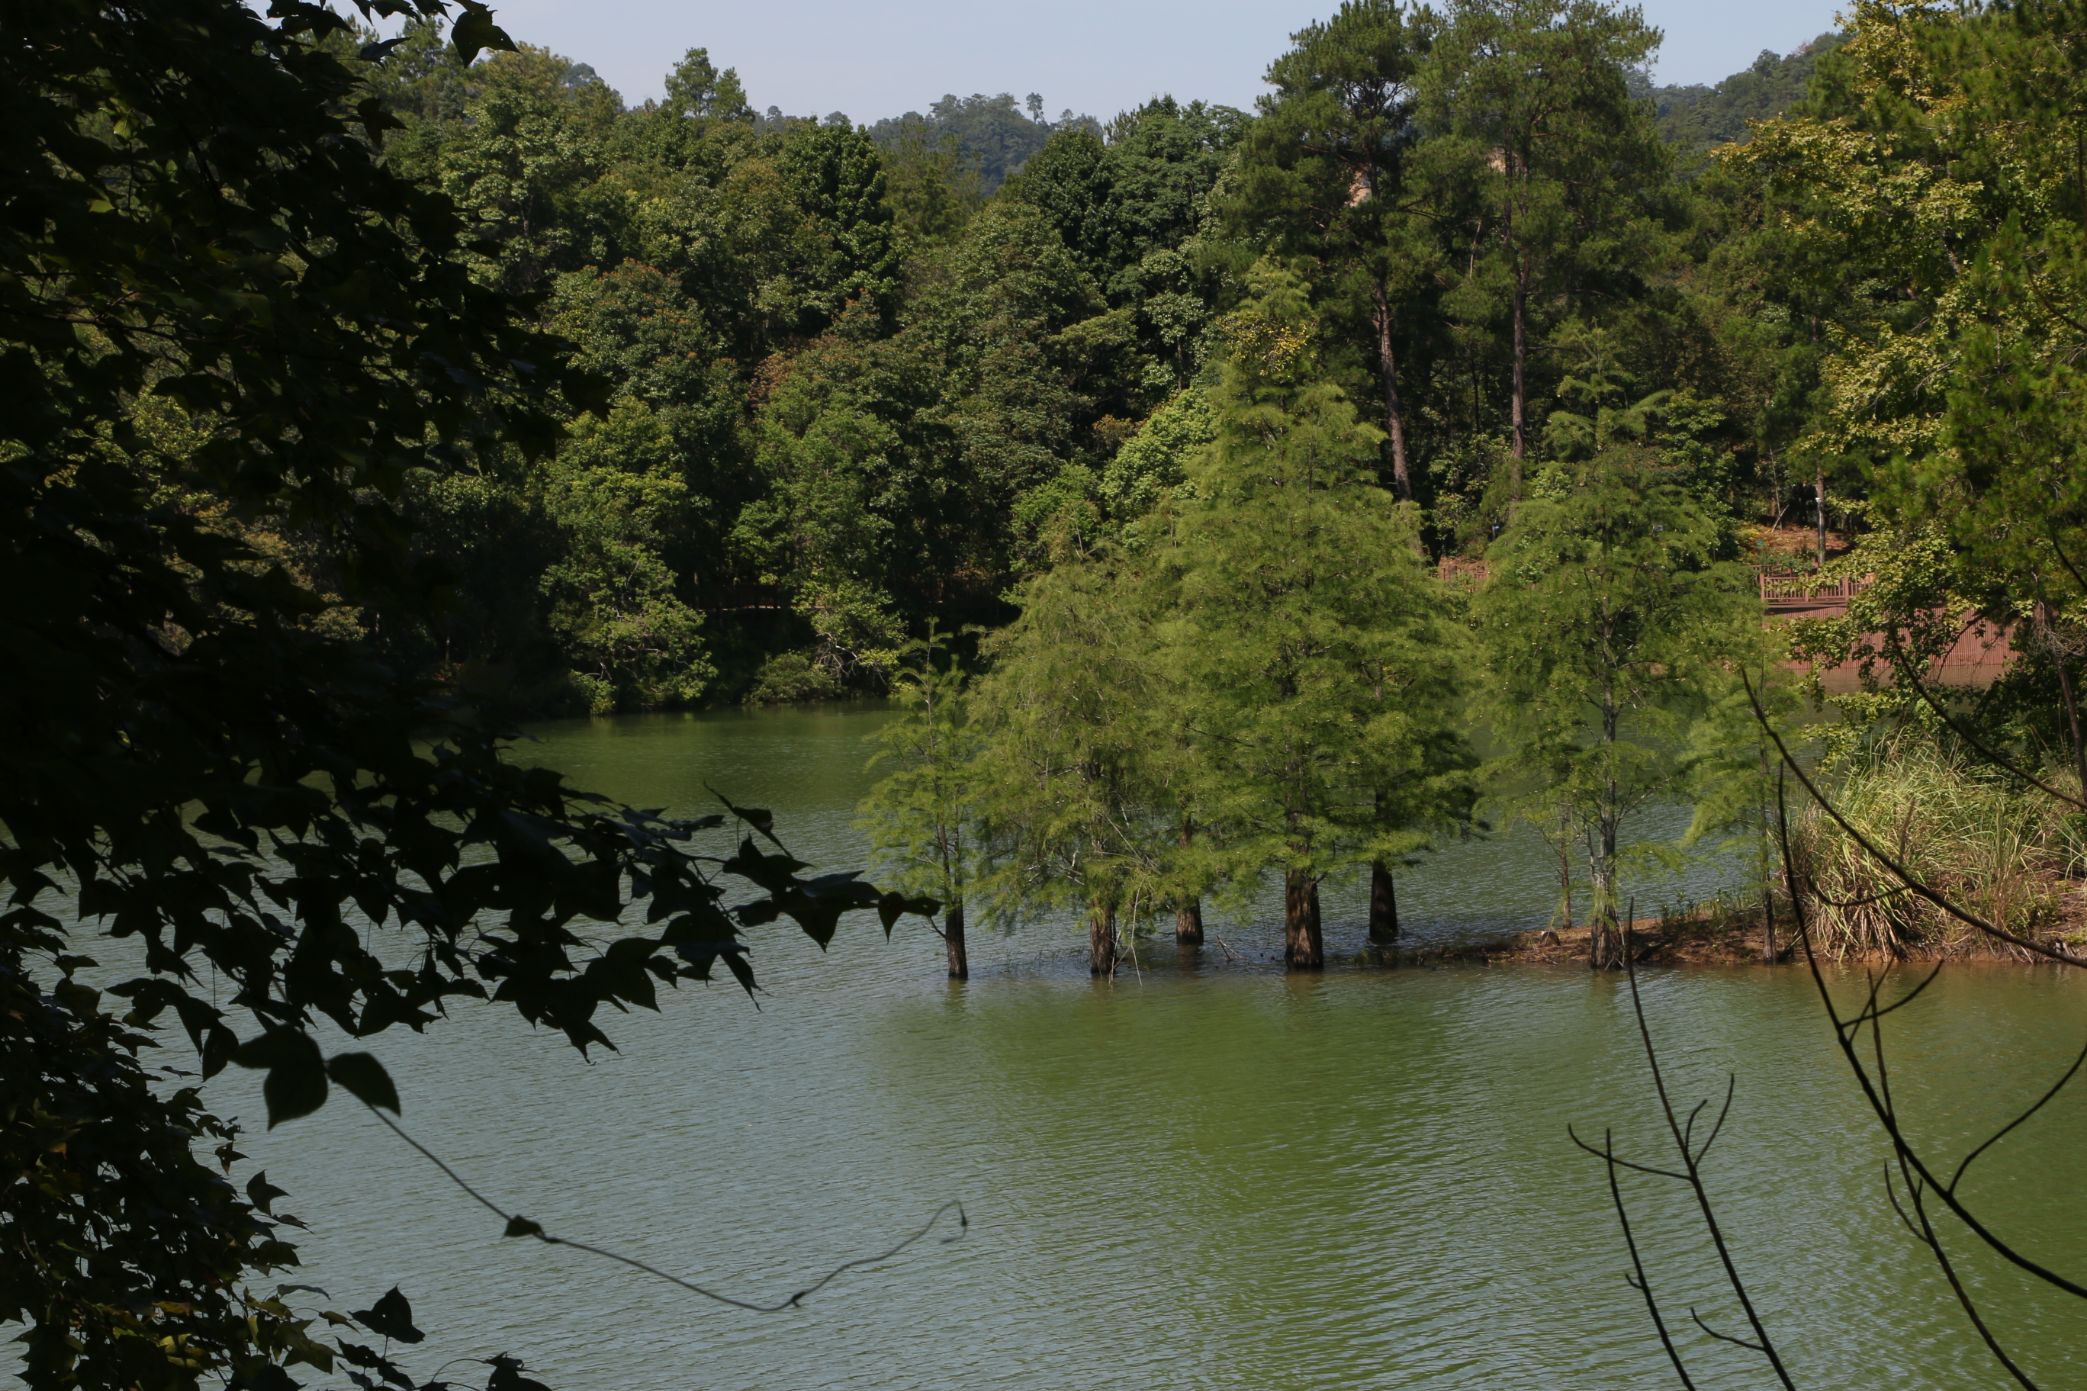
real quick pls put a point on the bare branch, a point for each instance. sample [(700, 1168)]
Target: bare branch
[(517, 1225), (1723, 1337), (1638, 1280), (1902, 665), (2000, 1134), (1694, 1177), (1881, 1105), (1898, 871)]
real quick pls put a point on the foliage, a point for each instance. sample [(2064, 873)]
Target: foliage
[(250, 791), (1309, 654), (991, 135), (1326, 176), (1695, 118), (1931, 181), (1608, 604), (1060, 784), (1563, 168), (919, 814), (1976, 834)]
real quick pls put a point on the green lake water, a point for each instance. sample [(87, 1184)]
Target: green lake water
[(1206, 1176)]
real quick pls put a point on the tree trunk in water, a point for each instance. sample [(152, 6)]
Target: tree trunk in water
[(1394, 416), (1304, 948), (1188, 913), (953, 940), (1384, 904), (1101, 939), (1605, 942)]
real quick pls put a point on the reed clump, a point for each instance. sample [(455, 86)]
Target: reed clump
[(1987, 841)]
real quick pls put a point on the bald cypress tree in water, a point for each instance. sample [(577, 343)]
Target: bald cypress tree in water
[(918, 816), (1311, 655)]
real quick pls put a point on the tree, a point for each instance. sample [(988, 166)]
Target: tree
[(919, 814), (200, 227), (1312, 656), (526, 162), (1061, 781), (838, 180), (1609, 600), (617, 497), (1324, 175), (1939, 167), (1566, 158)]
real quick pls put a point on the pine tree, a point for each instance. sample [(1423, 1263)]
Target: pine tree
[(1566, 158), (1324, 174)]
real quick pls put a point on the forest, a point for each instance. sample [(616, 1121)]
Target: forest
[(859, 380), (1228, 501)]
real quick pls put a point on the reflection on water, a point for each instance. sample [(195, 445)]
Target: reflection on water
[(1219, 1177)]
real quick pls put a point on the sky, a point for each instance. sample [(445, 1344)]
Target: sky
[(1097, 57)]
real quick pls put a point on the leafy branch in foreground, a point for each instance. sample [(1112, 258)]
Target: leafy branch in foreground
[(228, 333)]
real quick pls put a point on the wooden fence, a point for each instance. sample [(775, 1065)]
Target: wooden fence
[(1779, 593)]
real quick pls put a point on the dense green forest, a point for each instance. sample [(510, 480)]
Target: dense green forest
[(1696, 119), (854, 380), (1202, 483)]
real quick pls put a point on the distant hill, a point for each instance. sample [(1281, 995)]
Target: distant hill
[(1695, 118), (992, 135)]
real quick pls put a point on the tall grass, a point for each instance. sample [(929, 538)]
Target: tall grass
[(2007, 852)]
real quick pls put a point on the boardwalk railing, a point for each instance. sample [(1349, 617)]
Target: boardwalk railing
[(1783, 593), (1779, 593)]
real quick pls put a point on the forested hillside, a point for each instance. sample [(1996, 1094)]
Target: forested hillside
[(1695, 118), (842, 382)]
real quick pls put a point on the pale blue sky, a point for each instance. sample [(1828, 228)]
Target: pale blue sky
[(810, 57)]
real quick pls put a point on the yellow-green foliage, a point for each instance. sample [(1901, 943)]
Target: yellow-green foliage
[(2000, 850)]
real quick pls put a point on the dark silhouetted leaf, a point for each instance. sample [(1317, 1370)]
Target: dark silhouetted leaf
[(366, 1078), (391, 1317)]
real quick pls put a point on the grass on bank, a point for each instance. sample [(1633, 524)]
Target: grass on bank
[(2000, 849)]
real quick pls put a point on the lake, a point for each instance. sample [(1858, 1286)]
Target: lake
[(1202, 1175)]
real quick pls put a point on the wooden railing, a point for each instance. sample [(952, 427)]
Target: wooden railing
[(1779, 593), (1783, 593)]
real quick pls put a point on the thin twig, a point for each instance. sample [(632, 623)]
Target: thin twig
[(1997, 1136), (1639, 1281), (1902, 664), (1878, 1104), (1695, 1179), (1723, 1337), (518, 1225)]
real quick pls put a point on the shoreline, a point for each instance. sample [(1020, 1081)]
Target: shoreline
[(1694, 941)]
